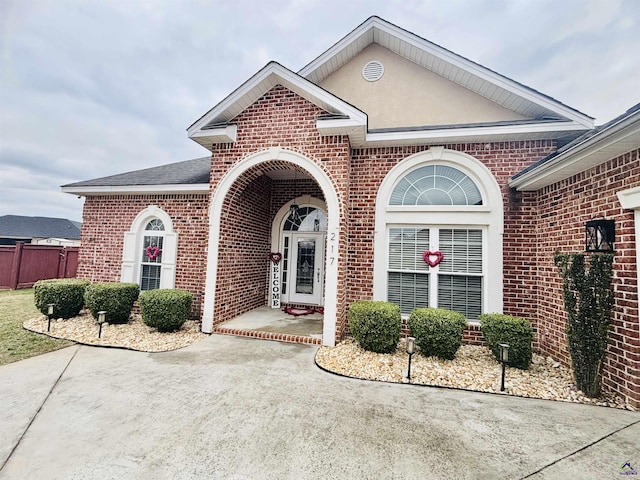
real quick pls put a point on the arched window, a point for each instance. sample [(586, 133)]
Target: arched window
[(309, 219), (438, 240), (436, 185), (150, 251), (152, 245)]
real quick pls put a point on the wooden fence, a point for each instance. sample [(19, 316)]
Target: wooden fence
[(22, 265)]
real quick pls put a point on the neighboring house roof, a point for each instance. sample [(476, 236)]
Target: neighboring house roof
[(550, 118), (18, 226), (614, 138), (185, 176)]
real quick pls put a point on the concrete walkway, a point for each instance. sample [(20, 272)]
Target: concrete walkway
[(240, 408)]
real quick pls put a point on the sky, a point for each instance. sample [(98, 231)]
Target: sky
[(92, 88)]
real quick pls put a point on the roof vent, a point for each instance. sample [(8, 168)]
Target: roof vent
[(373, 71)]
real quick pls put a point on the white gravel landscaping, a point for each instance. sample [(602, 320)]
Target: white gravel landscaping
[(474, 368), (134, 335)]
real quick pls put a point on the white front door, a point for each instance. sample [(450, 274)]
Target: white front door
[(307, 265)]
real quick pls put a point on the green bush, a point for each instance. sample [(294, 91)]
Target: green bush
[(438, 331), (514, 331), (375, 325), (588, 300), (165, 309), (116, 299), (66, 293)]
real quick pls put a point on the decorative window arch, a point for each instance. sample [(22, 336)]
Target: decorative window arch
[(150, 250), (438, 240)]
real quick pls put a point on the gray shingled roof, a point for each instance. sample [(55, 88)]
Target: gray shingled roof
[(581, 139), (188, 172), (18, 226)]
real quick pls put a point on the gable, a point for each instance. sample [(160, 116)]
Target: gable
[(409, 95)]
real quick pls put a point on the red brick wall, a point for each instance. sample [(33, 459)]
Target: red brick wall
[(370, 166), (243, 261), (107, 218), (564, 209), (280, 118)]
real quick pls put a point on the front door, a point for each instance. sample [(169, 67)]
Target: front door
[(307, 262)]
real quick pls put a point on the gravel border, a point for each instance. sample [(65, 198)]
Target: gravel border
[(134, 335), (474, 368)]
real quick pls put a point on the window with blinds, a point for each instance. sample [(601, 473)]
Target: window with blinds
[(456, 282)]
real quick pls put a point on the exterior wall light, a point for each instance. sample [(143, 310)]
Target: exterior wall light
[(599, 235), (411, 349), (102, 316), (504, 358), (50, 307)]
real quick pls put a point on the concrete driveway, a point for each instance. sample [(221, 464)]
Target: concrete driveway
[(240, 408)]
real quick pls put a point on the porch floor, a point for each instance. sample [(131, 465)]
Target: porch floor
[(275, 324)]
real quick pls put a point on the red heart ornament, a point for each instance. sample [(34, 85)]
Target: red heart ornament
[(152, 252), (275, 257), (427, 254)]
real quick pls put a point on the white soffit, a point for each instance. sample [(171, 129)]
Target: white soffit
[(483, 81), (611, 142), (206, 131)]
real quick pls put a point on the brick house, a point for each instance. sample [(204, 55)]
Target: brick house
[(388, 168)]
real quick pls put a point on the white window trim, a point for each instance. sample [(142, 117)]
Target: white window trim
[(132, 248), (489, 217), (630, 199)]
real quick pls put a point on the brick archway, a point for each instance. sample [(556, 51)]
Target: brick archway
[(235, 180)]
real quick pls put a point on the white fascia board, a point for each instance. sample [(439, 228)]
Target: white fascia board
[(630, 198), (137, 189), (459, 133), (576, 158), (226, 134), (338, 47), (265, 79), (455, 60), (342, 126), (490, 76)]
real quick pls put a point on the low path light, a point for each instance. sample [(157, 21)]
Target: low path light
[(411, 349), (504, 358), (102, 316), (50, 307)]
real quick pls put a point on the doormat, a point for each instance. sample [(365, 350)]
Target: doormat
[(297, 311)]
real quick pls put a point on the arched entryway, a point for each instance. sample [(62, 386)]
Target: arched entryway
[(227, 258)]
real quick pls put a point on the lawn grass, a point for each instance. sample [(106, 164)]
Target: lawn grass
[(16, 343)]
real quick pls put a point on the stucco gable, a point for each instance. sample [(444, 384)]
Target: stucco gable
[(409, 95)]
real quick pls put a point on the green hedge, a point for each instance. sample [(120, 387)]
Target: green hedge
[(438, 331), (66, 293), (375, 325), (116, 299), (514, 331), (165, 309)]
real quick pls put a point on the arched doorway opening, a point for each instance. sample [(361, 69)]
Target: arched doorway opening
[(246, 207)]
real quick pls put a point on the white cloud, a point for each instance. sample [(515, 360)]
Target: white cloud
[(91, 88)]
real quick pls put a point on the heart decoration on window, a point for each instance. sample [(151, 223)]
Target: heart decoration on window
[(275, 257), (427, 254), (152, 252)]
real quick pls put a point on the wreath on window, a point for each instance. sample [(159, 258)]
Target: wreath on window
[(152, 252)]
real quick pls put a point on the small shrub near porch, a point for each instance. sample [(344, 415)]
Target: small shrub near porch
[(375, 325), (116, 299), (165, 310), (438, 331), (514, 331), (67, 294)]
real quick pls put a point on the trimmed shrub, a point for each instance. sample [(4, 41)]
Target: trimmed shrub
[(66, 293), (438, 331), (514, 331), (165, 309), (375, 325), (116, 299)]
